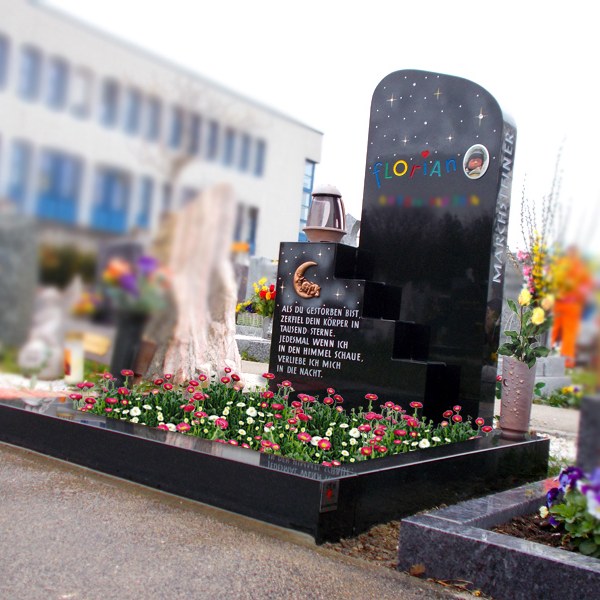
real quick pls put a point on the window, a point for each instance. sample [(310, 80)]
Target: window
[(81, 93), (4, 56), (195, 134), (167, 196), (245, 152), (133, 103), (212, 147), (259, 159), (109, 103), (145, 211), (58, 76), (176, 127), (153, 119), (20, 162), (111, 200), (229, 151), (307, 186), (30, 73), (59, 183), (253, 225)]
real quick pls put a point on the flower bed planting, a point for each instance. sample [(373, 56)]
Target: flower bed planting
[(295, 426)]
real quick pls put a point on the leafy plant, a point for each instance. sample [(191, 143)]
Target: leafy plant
[(565, 397), (574, 507), (524, 344)]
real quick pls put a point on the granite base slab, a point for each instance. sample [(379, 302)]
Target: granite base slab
[(455, 543), (327, 503)]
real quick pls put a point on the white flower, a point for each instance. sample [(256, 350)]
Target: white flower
[(543, 511), (134, 420), (135, 411), (225, 411), (213, 418), (315, 440), (147, 407), (353, 442), (171, 427), (261, 414), (424, 443), (352, 459), (448, 440), (240, 404), (344, 443), (160, 417), (126, 411), (241, 431), (414, 443), (329, 432), (345, 453), (159, 408), (251, 412), (593, 505), (435, 439), (332, 424), (344, 425), (229, 403), (249, 420), (354, 432), (241, 422)]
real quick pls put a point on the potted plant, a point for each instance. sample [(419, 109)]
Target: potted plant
[(521, 351)]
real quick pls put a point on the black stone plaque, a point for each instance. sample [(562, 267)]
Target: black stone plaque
[(413, 313)]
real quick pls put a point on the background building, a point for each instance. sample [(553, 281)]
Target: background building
[(99, 138)]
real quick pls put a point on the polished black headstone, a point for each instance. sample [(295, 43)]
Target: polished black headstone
[(426, 282)]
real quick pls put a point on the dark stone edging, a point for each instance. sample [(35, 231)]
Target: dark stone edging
[(455, 543)]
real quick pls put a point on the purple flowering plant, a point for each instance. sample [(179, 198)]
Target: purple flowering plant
[(139, 287), (574, 506)]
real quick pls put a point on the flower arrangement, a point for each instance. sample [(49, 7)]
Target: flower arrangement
[(523, 344), (139, 287), (87, 304), (574, 507), (272, 422), (568, 396), (263, 299)]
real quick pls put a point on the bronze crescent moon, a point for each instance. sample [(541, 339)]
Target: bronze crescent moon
[(303, 287)]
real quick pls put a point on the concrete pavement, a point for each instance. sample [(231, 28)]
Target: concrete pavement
[(70, 533)]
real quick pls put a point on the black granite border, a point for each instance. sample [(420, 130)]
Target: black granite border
[(327, 503), (455, 543)]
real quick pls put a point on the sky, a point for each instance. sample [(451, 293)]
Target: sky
[(319, 61)]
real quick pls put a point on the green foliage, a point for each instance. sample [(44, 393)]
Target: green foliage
[(524, 343), (566, 397), (582, 528)]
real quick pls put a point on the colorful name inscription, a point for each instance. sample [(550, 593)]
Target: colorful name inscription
[(436, 201), (401, 169)]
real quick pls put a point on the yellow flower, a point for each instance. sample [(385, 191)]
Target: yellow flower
[(538, 316), (262, 281), (524, 297), (548, 302)]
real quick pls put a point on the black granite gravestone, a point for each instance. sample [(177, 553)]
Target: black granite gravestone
[(413, 313)]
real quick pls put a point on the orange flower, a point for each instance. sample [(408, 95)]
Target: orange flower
[(116, 268)]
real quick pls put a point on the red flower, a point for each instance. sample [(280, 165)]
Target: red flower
[(159, 381), (111, 401), (227, 370), (108, 409), (304, 417), (364, 428), (163, 427), (124, 402), (277, 406), (292, 421), (75, 396), (381, 449), (268, 376), (330, 391), (198, 396), (190, 389), (233, 442), (123, 391), (457, 408), (366, 451), (168, 386), (81, 385), (296, 404), (286, 383), (183, 427), (479, 422), (194, 383), (371, 397), (498, 377), (265, 444), (168, 376), (235, 377), (486, 429), (267, 394), (447, 414), (457, 418), (389, 404), (304, 437), (338, 398), (127, 373), (88, 384), (188, 407), (400, 432), (200, 413), (327, 400), (416, 405), (202, 377), (225, 379), (324, 444), (222, 423)]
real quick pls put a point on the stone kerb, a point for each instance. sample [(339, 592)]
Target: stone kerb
[(455, 543)]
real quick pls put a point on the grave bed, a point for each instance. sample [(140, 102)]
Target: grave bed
[(455, 543), (326, 503)]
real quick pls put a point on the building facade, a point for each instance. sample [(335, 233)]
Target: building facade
[(100, 138)]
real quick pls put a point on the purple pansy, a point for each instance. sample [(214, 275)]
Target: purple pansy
[(147, 265), (569, 477)]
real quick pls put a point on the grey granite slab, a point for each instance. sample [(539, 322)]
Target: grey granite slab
[(455, 543)]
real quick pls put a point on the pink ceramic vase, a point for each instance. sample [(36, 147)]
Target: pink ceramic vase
[(518, 381)]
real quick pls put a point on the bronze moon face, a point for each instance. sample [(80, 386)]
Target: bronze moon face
[(303, 287)]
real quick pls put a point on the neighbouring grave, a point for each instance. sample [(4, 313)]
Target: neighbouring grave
[(411, 314)]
